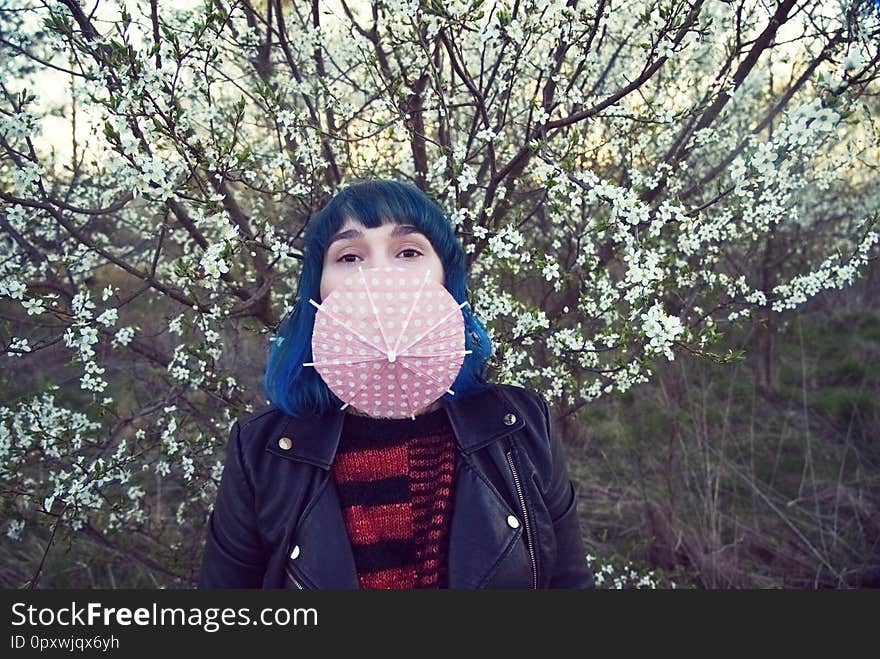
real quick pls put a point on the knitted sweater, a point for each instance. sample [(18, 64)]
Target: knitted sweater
[(395, 479)]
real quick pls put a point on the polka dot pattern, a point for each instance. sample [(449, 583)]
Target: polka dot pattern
[(388, 341)]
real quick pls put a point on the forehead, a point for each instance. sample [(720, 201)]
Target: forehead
[(352, 230)]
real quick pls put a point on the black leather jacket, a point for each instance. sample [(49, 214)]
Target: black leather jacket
[(277, 521)]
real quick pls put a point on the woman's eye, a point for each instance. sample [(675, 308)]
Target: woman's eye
[(408, 253)]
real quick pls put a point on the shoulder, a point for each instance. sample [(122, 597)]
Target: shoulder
[(252, 431), (528, 401), (260, 416), (538, 437)]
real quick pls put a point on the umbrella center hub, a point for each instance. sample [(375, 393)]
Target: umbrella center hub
[(392, 356)]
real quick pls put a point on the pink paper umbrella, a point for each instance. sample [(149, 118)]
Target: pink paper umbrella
[(388, 342)]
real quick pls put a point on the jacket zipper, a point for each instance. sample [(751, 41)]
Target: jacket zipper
[(525, 513), (295, 581)]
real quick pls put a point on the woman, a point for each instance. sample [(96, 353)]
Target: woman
[(470, 491)]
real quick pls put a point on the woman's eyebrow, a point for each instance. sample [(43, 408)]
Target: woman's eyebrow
[(399, 230)]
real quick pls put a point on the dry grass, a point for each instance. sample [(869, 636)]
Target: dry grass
[(704, 475)]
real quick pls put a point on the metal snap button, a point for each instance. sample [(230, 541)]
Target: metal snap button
[(285, 443), (512, 521), (295, 552), (509, 419)]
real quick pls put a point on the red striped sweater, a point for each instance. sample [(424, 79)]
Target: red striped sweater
[(395, 479)]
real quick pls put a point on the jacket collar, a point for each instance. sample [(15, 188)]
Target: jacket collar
[(477, 420)]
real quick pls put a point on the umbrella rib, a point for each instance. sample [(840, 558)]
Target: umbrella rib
[(367, 381), (406, 394), (411, 309), (439, 354), (427, 375), (350, 362), (375, 310), (333, 317), (433, 327)]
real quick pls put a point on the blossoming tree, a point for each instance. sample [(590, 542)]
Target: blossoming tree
[(627, 177)]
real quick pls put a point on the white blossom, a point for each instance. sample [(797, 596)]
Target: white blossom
[(17, 346), (175, 326), (550, 271), (123, 337), (34, 306), (467, 178), (108, 317), (14, 529), (661, 329), (212, 262), (12, 287)]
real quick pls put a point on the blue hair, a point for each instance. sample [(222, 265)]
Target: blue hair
[(298, 390)]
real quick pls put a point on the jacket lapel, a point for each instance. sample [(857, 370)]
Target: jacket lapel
[(479, 537), (482, 418), (312, 439), (325, 558)]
